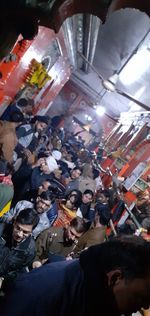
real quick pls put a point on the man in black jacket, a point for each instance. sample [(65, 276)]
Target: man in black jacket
[(17, 246), (109, 279), (28, 134)]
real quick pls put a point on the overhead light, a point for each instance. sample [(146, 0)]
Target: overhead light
[(100, 110), (110, 83), (88, 117)]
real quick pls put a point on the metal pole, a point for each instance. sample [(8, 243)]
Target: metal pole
[(132, 216)]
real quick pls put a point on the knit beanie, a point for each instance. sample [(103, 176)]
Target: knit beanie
[(56, 154), (44, 119), (52, 164)]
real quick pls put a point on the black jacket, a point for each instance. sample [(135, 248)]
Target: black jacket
[(37, 177), (13, 259), (27, 138), (103, 210)]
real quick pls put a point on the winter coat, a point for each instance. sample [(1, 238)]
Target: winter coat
[(14, 258), (93, 236), (27, 138)]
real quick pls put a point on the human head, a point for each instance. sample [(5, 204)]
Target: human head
[(74, 199), (43, 139), (103, 209), (75, 230), (44, 201), (64, 150), (121, 269), (87, 196), (102, 197), (24, 224), (101, 219), (48, 165), (58, 173), (26, 106), (44, 186), (75, 173), (22, 102), (40, 123), (71, 156)]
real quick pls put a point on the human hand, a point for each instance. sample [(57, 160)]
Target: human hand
[(36, 264)]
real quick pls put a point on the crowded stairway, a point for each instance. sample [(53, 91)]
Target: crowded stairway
[(50, 178)]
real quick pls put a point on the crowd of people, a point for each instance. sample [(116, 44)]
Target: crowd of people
[(54, 201)]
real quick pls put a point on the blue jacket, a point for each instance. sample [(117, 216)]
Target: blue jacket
[(6, 116)]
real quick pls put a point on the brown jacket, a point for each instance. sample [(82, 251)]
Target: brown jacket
[(92, 237), (51, 241), (8, 140)]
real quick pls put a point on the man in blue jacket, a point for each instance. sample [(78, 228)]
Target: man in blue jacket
[(109, 279)]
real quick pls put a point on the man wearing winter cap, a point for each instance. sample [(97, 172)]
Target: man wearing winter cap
[(43, 172), (51, 163), (56, 154), (42, 119)]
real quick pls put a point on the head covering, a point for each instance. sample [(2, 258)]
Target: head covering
[(52, 164), (56, 154), (22, 102), (44, 119)]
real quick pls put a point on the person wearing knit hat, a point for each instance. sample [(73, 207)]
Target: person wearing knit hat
[(43, 171), (56, 154), (41, 118), (51, 163), (48, 165)]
